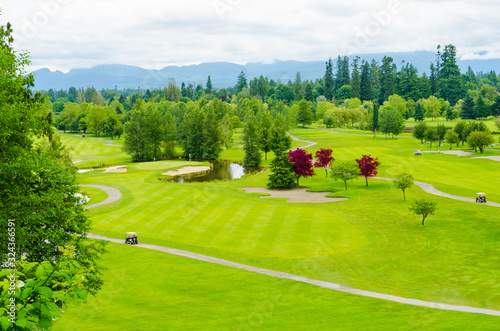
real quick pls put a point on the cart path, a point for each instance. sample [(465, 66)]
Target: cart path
[(429, 188), (115, 195), (315, 282), (310, 143), (379, 134)]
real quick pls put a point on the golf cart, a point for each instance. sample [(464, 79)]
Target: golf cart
[(481, 198), (418, 152), (131, 238)]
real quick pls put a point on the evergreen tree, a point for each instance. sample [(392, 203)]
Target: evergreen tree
[(356, 80), (183, 90), (282, 174), (468, 111), (387, 80), (419, 112), (495, 108), (297, 86), (375, 79), (366, 92), (450, 83), (338, 75), (263, 88), (345, 72), (242, 82), (251, 141), (208, 90), (309, 92), (481, 109), (170, 134), (328, 80), (212, 136)]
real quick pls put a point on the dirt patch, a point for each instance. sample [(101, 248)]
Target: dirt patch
[(494, 157), (295, 195), (117, 169), (186, 170), (457, 153)]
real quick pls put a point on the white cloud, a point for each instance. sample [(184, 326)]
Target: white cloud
[(64, 34)]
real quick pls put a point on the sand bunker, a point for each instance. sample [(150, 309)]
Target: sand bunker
[(121, 168), (457, 153), (295, 195), (186, 170), (494, 157)]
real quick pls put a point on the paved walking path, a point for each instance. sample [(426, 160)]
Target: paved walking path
[(115, 195), (429, 188), (98, 157), (310, 143)]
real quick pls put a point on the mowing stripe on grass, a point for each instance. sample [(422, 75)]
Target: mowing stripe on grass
[(283, 275), (315, 282)]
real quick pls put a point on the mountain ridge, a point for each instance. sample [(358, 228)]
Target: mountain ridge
[(223, 74)]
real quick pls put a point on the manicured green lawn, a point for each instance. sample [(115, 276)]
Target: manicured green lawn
[(148, 290), (95, 195), (371, 241)]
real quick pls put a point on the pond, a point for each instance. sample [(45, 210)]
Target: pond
[(221, 170)]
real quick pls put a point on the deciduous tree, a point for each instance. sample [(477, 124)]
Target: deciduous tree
[(403, 181), (325, 159), (479, 140), (423, 207), (251, 141), (302, 163), (344, 171), (368, 166)]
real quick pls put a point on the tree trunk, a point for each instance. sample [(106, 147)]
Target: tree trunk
[(265, 153), (366, 178), (298, 180), (404, 195), (345, 183), (326, 171), (423, 219)]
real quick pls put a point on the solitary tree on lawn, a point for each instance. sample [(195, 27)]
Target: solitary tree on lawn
[(368, 166), (344, 171)]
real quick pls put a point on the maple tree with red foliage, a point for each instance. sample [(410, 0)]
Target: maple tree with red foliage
[(368, 166), (325, 159), (302, 163)]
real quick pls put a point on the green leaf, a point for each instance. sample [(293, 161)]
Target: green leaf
[(39, 271), (52, 306), (4, 321), (44, 309), (26, 293), (21, 322), (76, 264), (45, 291), (29, 266), (44, 322), (82, 294), (22, 313)]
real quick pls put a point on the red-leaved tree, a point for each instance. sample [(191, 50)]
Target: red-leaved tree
[(325, 159), (302, 163), (368, 166)]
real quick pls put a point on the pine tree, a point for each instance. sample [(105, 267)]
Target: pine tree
[(481, 109), (468, 111), (366, 92), (356, 80), (208, 90), (328, 80), (309, 92), (282, 175), (242, 82), (419, 112), (375, 79), (387, 80), (450, 81)]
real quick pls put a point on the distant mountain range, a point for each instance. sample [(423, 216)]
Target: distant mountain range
[(222, 74)]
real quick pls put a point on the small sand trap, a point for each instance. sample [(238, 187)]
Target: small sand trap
[(121, 168), (295, 195), (457, 153), (186, 170), (494, 157)]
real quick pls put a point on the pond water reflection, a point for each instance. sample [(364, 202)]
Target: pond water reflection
[(221, 170)]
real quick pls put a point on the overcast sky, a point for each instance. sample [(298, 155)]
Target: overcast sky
[(66, 34)]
